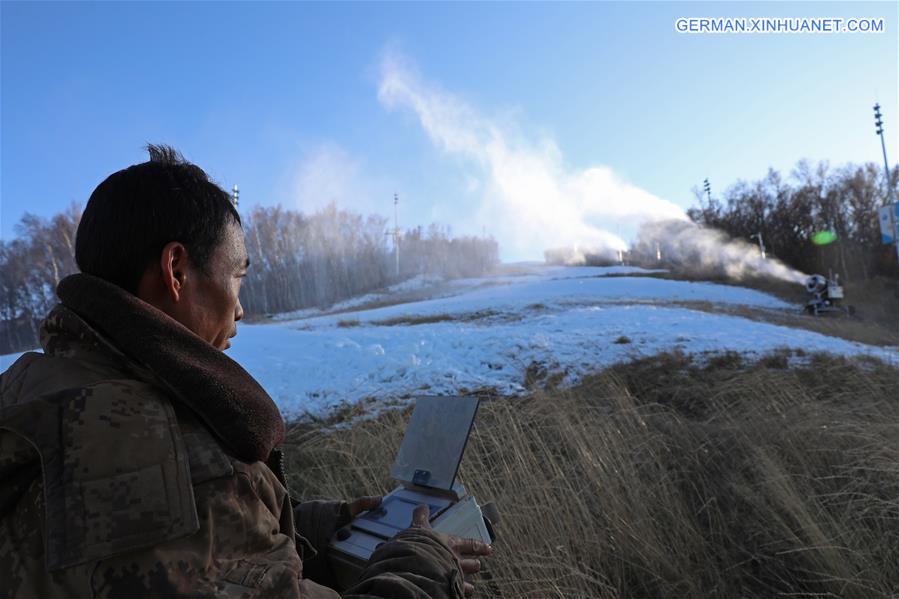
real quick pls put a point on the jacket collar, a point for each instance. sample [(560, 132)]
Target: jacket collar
[(222, 394)]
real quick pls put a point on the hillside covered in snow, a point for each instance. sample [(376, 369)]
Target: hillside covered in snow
[(494, 333), (490, 333)]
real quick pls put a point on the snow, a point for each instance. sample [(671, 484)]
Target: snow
[(491, 330), (565, 319), (417, 283), (560, 287)]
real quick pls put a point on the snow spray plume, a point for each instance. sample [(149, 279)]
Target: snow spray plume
[(528, 197), (532, 201), (708, 251), (578, 256)]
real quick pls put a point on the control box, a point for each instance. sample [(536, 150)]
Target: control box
[(425, 468)]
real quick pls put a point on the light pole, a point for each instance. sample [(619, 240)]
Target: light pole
[(396, 234), (886, 165)]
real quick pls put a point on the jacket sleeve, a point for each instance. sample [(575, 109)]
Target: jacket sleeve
[(416, 564), (243, 550)]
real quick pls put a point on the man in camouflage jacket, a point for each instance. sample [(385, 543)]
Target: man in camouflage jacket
[(137, 459)]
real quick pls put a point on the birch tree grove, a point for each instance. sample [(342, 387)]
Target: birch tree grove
[(299, 261), (296, 261), (30, 267)]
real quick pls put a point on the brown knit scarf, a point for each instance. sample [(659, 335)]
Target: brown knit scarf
[(228, 400)]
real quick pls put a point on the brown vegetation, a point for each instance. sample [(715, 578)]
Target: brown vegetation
[(417, 319), (858, 328), (875, 303), (669, 478)]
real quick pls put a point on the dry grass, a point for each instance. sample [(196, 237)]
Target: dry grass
[(851, 328), (876, 300), (665, 478), (876, 304), (789, 292), (415, 319)]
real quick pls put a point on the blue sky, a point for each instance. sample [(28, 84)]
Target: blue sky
[(496, 117)]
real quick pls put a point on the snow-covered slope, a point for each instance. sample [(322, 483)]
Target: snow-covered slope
[(491, 331), (487, 333)]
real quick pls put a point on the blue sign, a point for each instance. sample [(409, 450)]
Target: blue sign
[(889, 223)]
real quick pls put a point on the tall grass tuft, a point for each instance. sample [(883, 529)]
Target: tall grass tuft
[(667, 478)]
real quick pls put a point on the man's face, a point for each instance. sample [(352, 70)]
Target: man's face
[(212, 304)]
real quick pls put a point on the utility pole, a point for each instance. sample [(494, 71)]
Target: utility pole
[(761, 244), (890, 200), (396, 234), (886, 165), (235, 196), (707, 188)]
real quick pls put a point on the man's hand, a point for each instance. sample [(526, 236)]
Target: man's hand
[(467, 550), (362, 504)]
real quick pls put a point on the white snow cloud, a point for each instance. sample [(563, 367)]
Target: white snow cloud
[(710, 251), (329, 173), (529, 199), (532, 201)]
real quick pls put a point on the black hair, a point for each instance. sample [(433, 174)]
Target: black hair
[(135, 212)]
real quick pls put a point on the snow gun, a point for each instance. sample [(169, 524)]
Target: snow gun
[(425, 468), (826, 295)]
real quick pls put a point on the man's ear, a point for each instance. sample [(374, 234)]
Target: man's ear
[(173, 262)]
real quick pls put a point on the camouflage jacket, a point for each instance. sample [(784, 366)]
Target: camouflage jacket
[(116, 481)]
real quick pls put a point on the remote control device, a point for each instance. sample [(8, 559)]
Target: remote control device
[(425, 468)]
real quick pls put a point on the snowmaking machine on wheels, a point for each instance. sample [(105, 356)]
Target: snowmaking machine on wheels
[(826, 296)]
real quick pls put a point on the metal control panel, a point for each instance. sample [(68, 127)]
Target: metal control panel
[(425, 466)]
